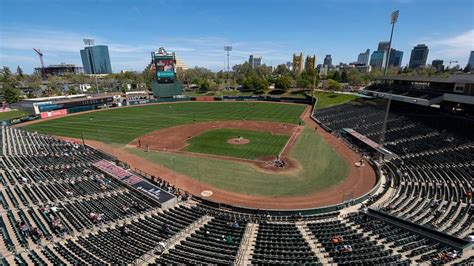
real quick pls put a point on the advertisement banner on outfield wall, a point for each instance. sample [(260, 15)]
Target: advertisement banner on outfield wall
[(55, 113), (205, 98)]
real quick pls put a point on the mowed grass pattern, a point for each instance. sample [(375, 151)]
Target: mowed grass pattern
[(261, 144), (321, 167), (121, 125), (327, 99), (11, 114)]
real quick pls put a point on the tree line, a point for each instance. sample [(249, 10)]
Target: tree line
[(257, 80)]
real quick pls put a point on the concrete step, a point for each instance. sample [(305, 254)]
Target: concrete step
[(246, 257), (312, 242)]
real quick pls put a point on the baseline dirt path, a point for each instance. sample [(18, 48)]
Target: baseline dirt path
[(174, 139), (358, 182)]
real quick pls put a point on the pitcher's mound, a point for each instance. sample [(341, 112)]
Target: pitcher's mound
[(238, 141)]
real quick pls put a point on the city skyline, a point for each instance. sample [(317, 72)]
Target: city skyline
[(341, 36)]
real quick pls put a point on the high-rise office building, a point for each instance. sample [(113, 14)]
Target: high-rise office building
[(470, 62), (438, 65), (383, 46), (364, 58), (298, 63), (395, 59), (377, 60), (255, 61), (328, 61), (418, 56), (96, 59), (310, 62)]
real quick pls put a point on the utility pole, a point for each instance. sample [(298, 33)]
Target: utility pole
[(312, 96), (393, 20)]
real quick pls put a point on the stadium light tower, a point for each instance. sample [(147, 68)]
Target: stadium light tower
[(228, 49), (393, 20)]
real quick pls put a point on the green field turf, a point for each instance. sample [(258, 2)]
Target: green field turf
[(327, 99), (322, 167), (11, 114), (262, 143), (121, 125)]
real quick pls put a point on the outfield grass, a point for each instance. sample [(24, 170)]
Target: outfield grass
[(121, 125), (321, 166), (11, 114), (261, 144), (327, 99)]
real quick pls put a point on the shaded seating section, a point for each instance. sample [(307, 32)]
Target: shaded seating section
[(281, 244), (217, 242)]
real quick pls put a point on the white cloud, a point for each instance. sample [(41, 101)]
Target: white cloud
[(456, 47), (59, 46)]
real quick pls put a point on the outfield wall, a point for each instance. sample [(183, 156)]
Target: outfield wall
[(262, 98)]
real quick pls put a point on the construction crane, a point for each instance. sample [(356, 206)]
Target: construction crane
[(40, 54), (452, 61)]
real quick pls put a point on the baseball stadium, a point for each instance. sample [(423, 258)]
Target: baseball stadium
[(351, 179)]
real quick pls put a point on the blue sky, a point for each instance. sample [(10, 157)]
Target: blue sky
[(197, 30)]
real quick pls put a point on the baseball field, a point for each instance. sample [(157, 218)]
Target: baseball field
[(120, 126), (225, 147)]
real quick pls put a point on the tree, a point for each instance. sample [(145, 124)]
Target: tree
[(7, 73), (354, 77), (255, 83), (281, 70), (197, 73), (7, 77), (204, 86), (11, 94), (344, 77), (53, 86), (336, 76), (302, 82), (283, 83), (334, 85), (71, 90), (19, 71)]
